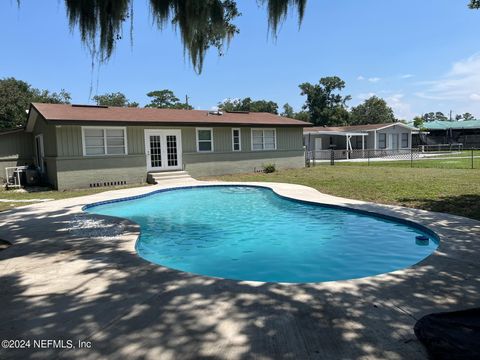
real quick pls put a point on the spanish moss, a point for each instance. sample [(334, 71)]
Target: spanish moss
[(278, 10), (202, 24)]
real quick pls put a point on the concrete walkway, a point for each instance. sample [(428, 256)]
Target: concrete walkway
[(59, 282)]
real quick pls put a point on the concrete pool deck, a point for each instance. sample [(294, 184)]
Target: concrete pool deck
[(75, 276)]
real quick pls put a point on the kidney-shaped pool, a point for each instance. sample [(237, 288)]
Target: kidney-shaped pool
[(251, 233)]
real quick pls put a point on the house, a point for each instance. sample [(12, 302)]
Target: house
[(465, 132), (346, 140), (78, 146)]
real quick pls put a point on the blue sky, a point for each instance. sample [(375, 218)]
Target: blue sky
[(418, 55)]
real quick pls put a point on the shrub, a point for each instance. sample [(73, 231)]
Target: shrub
[(269, 168)]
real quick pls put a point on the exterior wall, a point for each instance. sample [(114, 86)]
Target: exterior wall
[(49, 149), (81, 172), (221, 164), (76, 171), (16, 149), (371, 141), (395, 130)]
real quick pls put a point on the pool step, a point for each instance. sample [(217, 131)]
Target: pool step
[(156, 177)]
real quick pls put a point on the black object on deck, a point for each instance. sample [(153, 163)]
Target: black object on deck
[(451, 335)]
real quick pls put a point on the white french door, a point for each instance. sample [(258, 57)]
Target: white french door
[(394, 143), (163, 149)]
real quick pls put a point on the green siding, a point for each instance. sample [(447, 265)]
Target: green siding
[(49, 137), (16, 149), (16, 145), (70, 139)]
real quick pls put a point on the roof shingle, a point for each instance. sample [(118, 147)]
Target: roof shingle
[(61, 112)]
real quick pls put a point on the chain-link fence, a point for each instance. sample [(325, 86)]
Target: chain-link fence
[(455, 158)]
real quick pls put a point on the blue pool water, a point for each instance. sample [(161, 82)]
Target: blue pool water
[(250, 233)]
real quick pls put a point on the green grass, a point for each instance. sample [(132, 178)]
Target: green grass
[(49, 194), (446, 163), (454, 191)]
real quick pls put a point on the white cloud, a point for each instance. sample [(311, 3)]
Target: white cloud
[(360, 78), (374, 79), (402, 109), (365, 96), (406, 76), (461, 83), (475, 97)]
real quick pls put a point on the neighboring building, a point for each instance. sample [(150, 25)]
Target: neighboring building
[(452, 132), (347, 139), (75, 146)]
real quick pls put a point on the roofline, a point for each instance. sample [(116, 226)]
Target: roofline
[(393, 124), (339, 133), (300, 123), (166, 123)]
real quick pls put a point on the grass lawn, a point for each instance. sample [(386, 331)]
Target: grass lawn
[(447, 162), (49, 194), (454, 191)]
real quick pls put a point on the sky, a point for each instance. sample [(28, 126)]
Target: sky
[(419, 55)]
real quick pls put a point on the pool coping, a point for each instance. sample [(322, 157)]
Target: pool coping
[(456, 257)]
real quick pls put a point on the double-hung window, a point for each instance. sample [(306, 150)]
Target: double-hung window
[(204, 139), (99, 141), (236, 140), (264, 139), (382, 140), (404, 140)]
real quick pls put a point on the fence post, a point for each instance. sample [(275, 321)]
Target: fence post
[(472, 157), (332, 157), (411, 157), (368, 157)]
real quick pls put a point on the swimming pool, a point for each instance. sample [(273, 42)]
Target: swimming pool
[(251, 233)]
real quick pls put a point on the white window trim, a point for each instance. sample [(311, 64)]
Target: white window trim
[(263, 129), (197, 140), (239, 140), (104, 128)]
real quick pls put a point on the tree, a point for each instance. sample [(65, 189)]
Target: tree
[(468, 116), (247, 104), (288, 111), (474, 4), (202, 24), (114, 99), (303, 116), (432, 116), (166, 99), (16, 96), (373, 111), (323, 104), (418, 122)]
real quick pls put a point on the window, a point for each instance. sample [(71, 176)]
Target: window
[(382, 141), (204, 140), (104, 141), (264, 139), (236, 140), (404, 140)]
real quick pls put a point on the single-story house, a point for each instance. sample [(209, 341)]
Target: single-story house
[(393, 137), (77, 146)]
